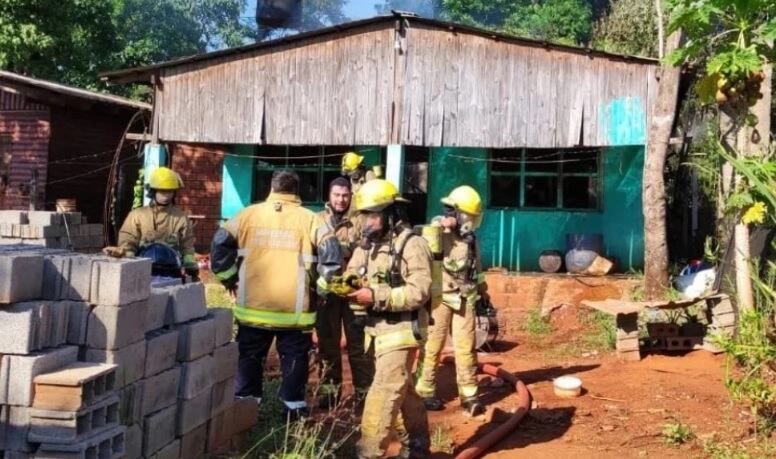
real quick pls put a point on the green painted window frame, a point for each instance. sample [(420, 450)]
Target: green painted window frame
[(559, 174), (321, 168)]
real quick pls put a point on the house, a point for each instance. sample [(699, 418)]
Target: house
[(58, 142), (553, 136)]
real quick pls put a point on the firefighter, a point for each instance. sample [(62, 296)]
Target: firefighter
[(267, 256), (354, 169), (462, 287), (160, 231), (336, 314), (394, 267)]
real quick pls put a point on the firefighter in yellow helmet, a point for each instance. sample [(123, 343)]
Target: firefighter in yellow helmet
[(354, 169), (462, 287), (160, 228), (269, 255), (394, 267)]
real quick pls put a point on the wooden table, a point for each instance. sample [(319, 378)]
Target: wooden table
[(720, 314)]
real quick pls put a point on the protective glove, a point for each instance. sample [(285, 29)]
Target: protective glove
[(112, 251)]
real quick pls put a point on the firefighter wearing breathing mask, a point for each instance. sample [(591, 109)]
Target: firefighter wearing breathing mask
[(462, 287), (394, 267)]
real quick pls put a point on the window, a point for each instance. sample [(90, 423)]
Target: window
[(545, 179), (316, 167)]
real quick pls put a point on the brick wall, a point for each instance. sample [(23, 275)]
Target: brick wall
[(24, 144), (200, 166)]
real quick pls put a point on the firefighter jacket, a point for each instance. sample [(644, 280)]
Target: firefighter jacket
[(275, 248), (346, 227), (163, 224), (356, 183), (462, 276), (399, 317)]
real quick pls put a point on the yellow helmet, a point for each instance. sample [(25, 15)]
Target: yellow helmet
[(164, 178), (351, 161), (465, 199), (375, 195)]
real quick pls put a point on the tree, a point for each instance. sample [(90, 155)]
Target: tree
[(630, 27)]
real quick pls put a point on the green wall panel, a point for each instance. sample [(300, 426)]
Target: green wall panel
[(514, 238), (237, 180)]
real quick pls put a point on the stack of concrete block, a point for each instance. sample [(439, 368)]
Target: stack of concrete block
[(170, 389), (68, 230), (721, 316), (75, 413)]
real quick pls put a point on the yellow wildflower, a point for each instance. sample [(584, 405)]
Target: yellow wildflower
[(754, 214)]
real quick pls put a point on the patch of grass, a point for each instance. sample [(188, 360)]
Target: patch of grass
[(738, 450), (537, 325), (274, 437), (442, 439), (677, 433), (604, 330)]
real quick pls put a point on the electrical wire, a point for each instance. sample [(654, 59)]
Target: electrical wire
[(90, 155), (93, 171)]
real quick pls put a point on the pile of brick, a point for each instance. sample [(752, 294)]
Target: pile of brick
[(66, 230), (96, 363)]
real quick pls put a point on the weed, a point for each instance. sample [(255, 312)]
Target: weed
[(738, 450), (604, 334), (537, 325), (442, 439), (676, 433), (217, 296), (638, 293)]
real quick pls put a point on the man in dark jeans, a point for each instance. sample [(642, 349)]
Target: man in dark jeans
[(273, 249), (336, 313)]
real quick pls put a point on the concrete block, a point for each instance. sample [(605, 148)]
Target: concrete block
[(224, 325), (161, 390), (112, 328), (219, 431), (159, 430), (197, 376), (627, 323), (107, 445), (117, 282), (724, 320), (20, 327), (60, 314), (187, 302), (14, 217), (161, 351), (156, 309), (49, 426), (196, 339), (194, 442), (20, 277), (17, 429), (130, 361), (171, 451), (162, 281), (134, 442), (80, 278), (5, 368), (44, 218), (56, 273), (24, 368), (245, 414), (222, 396), (225, 361), (193, 412), (634, 355), (131, 403), (74, 387), (78, 322)]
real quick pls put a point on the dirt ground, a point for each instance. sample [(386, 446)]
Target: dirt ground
[(623, 409)]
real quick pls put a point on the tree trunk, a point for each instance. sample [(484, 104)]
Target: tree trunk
[(654, 194)]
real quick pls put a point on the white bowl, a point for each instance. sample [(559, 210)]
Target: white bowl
[(567, 386)]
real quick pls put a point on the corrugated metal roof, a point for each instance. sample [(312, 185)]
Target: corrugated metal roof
[(14, 82), (143, 73)]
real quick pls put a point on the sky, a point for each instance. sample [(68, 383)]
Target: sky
[(354, 9)]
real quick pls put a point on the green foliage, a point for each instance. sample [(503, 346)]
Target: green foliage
[(537, 325), (442, 439), (677, 433), (740, 450), (630, 27), (604, 334), (564, 21)]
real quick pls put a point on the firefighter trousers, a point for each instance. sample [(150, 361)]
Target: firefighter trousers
[(293, 347), (391, 404), (331, 319), (460, 324)]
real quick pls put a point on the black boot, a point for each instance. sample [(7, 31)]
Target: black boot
[(472, 406), (433, 404)]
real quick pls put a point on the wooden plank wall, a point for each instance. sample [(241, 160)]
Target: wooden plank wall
[(445, 88), (320, 91), (472, 91)]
